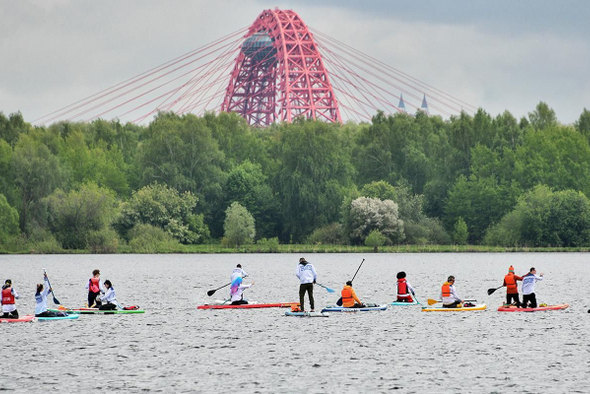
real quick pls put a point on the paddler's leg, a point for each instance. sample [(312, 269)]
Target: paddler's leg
[(302, 290), (533, 300), (311, 300)]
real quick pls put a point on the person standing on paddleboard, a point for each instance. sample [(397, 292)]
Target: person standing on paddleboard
[(448, 294), (404, 288), (94, 288), (349, 297), (9, 296), (307, 276), (109, 301), (43, 291), (512, 287), (528, 288), (237, 291)]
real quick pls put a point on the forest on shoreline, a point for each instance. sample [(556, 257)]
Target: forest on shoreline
[(213, 184)]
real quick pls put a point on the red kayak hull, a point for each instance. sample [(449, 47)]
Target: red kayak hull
[(538, 309), (23, 319), (249, 306)]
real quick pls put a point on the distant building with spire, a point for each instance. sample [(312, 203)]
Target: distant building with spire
[(424, 105), (401, 104)]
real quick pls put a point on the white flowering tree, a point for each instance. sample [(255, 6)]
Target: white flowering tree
[(368, 214)]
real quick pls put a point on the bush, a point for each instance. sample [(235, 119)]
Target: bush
[(238, 226), (103, 241), (330, 234), (269, 245), (460, 233), (375, 239), (145, 238)]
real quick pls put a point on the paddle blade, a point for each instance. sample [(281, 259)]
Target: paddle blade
[(431, 301), (339, 302), (330, 290), (55, 301), (211, 292), (491, 291)]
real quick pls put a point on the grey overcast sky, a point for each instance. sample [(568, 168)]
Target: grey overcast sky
[(499, 55)]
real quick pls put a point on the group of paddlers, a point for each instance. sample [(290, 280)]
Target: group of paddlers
[(100, 295), (307, 275)]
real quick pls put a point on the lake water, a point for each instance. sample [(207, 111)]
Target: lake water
[(174, 347)]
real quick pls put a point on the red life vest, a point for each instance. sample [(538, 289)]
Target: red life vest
[(94, 286), (402, 286), (446, 290), (7, 296)]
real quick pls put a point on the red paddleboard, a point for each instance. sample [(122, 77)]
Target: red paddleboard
[(249, 306), (22, 319), (540, 308)]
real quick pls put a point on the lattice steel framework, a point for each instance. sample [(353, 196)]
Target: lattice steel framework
[(287, 83)]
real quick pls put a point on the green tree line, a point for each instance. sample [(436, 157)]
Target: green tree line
[(399, 179)]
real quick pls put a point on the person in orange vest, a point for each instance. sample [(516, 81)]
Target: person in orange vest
[(349, 297), (9, 296), (94, 289), (448, 294), (404, 288), (512, 287)]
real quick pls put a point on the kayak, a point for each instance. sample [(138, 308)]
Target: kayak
[(22, 319), (368, 308), (68, 317), (96, 311), (477, 307), (397, 303), (540, 308), (249, 306), (307, 314)]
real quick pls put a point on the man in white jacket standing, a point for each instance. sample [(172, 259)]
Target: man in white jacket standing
[(528, 288), (307, 276)]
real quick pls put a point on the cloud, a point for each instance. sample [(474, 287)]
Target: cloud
[(502, 57)]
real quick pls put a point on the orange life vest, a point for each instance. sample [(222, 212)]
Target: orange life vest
[(7, 296), (446, 289), (347, 299), (402, 286), (510, 282), (94, 286)]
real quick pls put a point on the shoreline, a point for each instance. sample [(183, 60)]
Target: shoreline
[(303, 248)]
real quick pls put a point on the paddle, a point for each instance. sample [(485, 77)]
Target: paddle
[(432, 302), (211, 292), (491, 291), (339, 302), (325, 287), (55, 301)]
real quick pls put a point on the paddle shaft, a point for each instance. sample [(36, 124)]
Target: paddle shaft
[(55, 301), (492, 291), (325, 287), (357, 271), (211, 292)]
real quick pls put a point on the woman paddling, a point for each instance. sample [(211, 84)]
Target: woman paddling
[(109, 301), (9, 296), (237, 291), (405, 291), (41, 300)]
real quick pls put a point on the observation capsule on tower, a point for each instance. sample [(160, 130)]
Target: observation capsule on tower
[(259, 47)]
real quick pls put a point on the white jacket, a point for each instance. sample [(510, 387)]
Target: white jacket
[(306, 273), (41, 299), (110, 297), (528, 283), (237, 296), (237, 272)]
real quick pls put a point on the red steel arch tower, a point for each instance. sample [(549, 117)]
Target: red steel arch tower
[(279, 74)]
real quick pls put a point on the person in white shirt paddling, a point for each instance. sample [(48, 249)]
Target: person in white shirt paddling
[(448, 294), (109, 300), (307, 277), (237, 291), (528, 288), (237, 272), (43, 291)]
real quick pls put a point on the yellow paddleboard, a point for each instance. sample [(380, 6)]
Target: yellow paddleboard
[(477, 307)]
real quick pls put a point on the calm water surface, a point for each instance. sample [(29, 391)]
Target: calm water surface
[(174, 347)]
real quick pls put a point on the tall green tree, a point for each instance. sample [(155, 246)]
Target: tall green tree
[(239, 227), (8, 219)]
